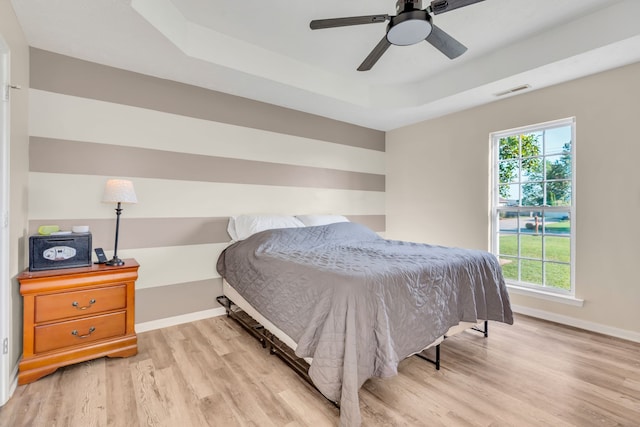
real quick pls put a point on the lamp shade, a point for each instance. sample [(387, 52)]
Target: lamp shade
[(119, 190)]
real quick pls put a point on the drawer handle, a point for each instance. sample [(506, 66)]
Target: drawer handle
[(75, 332), (75, 304)]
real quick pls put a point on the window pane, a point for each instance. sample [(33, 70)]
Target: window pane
[(509, 268), (532, 194), (531, 246), (559, 193), (509, 171), (555, 140), (531, 271), (508, 221), (532, 169), (557, 223), (531, 144), (508, 244), (532, 223), (557, 248), (509, 194), (558, 167), (509, 148), (558, 275)]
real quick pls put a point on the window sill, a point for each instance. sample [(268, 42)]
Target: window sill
[(549, 296)]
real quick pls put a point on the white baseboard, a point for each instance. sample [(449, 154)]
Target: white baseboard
[(13, 384), (177, 320), (578, 323), (533, 312), (14, 380)]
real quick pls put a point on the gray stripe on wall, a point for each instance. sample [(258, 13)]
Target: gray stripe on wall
[(138, 233), (175, 300), (147, 232), (66, 75), (74, 157)]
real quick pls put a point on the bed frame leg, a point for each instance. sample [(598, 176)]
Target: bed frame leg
[(226, 303), (435, 361), (253, 327), (485, 330)]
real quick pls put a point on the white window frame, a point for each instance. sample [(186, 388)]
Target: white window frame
[(546, 292)]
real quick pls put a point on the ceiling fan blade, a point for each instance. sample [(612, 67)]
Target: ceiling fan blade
[(445, 43), (375, 54), (441, 6), (318, 24)]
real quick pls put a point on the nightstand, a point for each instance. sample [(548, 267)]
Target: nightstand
[(76, 314)]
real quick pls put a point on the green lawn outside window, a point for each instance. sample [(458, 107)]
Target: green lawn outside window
[(557, 257)]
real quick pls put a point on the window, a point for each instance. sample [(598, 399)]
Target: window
[(533, 205)]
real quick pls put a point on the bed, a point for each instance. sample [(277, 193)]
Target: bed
[(355, 304)]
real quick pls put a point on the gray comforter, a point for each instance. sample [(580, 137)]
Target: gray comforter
[(359, 304)]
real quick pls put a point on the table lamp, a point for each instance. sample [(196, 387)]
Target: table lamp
[(118, 191)]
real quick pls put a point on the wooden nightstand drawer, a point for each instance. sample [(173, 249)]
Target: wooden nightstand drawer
[(87, 302), (81, 331)]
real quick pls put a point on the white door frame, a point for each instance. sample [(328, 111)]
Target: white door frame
[(5, 283)]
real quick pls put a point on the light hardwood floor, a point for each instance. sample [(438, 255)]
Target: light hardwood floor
[(212, 373)]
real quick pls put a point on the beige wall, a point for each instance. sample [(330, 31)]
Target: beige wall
[(438, 189), (195, 157), (19, 143)]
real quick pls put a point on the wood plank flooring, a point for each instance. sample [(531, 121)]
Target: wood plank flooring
[(212, 373)]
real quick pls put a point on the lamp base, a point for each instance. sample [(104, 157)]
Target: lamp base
[(114, 261)]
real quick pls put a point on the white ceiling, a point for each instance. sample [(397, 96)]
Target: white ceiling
[(264, 50)]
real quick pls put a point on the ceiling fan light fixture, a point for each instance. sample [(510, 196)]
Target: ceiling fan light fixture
[(409, 28)]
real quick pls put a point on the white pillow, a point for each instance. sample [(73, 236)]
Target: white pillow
[(242, 226), (311, 220), (231, 228)]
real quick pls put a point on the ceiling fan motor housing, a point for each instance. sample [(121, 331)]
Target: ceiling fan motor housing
[(409, 28)]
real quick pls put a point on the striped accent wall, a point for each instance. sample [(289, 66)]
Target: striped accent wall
[(195, 157)]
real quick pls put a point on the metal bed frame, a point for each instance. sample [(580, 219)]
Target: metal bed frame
[(284, 352), (268, 339), (436, 361)]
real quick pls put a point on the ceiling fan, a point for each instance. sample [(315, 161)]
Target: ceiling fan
[(410, 26)]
